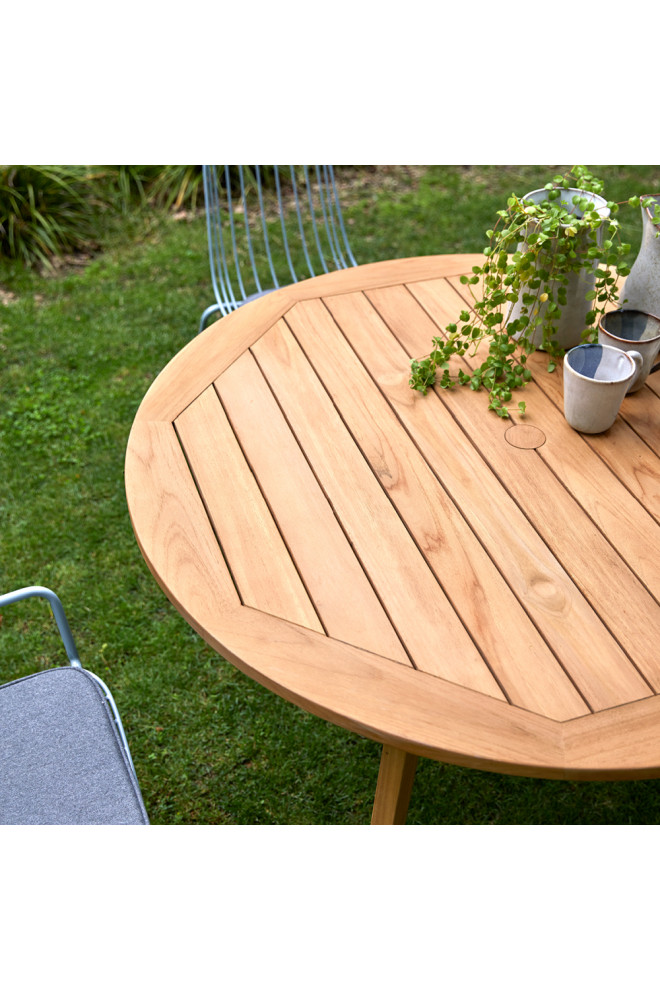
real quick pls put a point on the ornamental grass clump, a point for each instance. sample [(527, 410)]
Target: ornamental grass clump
[(533, 250), (45, 210), (51, 211)]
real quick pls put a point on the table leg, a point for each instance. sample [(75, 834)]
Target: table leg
[(395, 781)]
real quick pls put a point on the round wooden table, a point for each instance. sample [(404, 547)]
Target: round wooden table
[(413, 568)]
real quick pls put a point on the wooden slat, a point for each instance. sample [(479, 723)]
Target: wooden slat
[(624, 452), (619, 744), (626, 524), (389, 702), (503, 631), (171, 526), (560, 611), (195, 366), (543, 584), (260, 563), (631, 447), (624, 605), (342, 595), (643, 417), (653, 381), (383, 273), (621, 601), (415, 603)]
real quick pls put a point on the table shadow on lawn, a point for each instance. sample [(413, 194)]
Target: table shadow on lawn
[(447, 795)]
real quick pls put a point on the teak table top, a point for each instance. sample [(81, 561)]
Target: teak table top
[(453, 585)]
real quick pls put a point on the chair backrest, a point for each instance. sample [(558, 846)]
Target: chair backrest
[(64, 757), (270, 225)]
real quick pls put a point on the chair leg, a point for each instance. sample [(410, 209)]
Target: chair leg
[(395, 781)]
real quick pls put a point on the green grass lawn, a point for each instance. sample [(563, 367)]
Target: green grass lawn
[(78, 350)]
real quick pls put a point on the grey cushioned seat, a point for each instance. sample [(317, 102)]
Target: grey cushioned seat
[(62, 761)]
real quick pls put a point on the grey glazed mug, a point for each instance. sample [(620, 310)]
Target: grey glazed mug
[(632, 330), (596, 380)]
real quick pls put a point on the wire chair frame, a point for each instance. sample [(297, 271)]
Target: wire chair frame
[(320, 230)]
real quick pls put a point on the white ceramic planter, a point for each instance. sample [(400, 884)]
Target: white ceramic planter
[(571, 323)]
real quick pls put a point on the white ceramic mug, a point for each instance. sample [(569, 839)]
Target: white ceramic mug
[(596, 379), (632, 330)]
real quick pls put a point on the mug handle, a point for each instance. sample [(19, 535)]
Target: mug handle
[(639, 361)]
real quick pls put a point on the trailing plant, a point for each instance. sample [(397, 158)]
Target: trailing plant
[(532, 250)]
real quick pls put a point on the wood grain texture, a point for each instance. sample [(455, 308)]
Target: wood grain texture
[(171, 525), (323, 556), (388, 702), (390, 561), (262, 569), (395, 781), (600, 573), (416, 603), (478, 591)]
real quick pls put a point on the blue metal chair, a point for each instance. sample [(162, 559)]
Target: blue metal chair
[(64, 758), (241, 218)]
